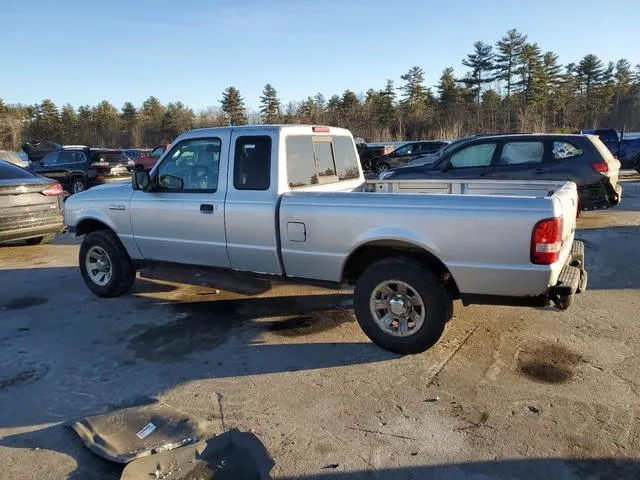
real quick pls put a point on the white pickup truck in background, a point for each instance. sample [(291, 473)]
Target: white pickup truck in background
[(290, 203)]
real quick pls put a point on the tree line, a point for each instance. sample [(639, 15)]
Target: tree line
[(509, 86)]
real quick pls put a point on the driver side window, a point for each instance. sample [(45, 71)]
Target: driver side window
[(191, 166)]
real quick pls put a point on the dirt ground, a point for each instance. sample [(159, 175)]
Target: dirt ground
[(507, 393)]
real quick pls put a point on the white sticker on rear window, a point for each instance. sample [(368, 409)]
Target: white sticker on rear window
[(146, 431)]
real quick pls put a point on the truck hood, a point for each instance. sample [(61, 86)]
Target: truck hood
[(109, 190)]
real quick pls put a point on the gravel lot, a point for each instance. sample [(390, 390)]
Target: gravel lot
[(507, 393)]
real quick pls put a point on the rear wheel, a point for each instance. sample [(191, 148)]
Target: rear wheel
[(401, 305), (381, 167), (78, 185), (105, 265), (48, 238)]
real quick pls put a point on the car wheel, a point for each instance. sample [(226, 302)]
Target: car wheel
[(44, 239), (105, 264), (78, 185), (401, 305), (381, 167)]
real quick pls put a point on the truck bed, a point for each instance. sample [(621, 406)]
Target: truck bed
[(480, 230), (521, 188)]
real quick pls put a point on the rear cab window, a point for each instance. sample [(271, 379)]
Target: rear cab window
[(320, 159), (252, 163)]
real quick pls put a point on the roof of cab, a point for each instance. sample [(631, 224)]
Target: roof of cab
[(299, 129)]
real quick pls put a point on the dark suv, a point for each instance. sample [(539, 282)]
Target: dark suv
[(583, 159), (77, 169), (404, 153)]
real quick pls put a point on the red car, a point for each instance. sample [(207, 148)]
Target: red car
[(146, 162)]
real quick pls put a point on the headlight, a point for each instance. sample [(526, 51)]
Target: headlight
[(385, 175)]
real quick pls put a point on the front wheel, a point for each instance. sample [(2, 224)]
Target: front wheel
[(401, 305), (105, 265)]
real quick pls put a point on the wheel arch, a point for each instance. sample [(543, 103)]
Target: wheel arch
[(372, 251)]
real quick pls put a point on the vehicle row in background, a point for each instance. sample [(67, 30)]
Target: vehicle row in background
[(583, 159), (31, 207), (79, 168), (401, 156)]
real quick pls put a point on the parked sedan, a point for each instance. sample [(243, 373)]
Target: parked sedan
[(401, 156), (77, 169), (30, 206), (583, 159)]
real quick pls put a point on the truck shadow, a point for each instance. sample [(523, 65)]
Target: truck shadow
[(610, 254)]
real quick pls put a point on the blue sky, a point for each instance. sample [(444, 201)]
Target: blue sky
[(84, 51)]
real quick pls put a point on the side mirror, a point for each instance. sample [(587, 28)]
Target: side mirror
[(140, 180), (446, 166)]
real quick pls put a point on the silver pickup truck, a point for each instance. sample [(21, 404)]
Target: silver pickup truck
[(291, 203)]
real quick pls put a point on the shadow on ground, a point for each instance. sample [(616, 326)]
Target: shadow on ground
[(529, 469)]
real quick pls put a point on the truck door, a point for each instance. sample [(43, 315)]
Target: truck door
[(182, 219), (251, 204)]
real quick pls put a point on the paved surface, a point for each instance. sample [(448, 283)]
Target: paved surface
[(507, 393)]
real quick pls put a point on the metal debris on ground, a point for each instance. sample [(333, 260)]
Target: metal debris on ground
[(233, 455), (124, 435)]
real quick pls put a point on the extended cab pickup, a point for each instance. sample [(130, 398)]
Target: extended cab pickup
[(291, 203)]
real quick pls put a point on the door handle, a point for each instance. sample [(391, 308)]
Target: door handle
[(539, 170), (206, 208)]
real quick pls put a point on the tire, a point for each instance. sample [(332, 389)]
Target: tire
[(78, 185), (43, 240), (437, 304), (121, 272), (381, 167)]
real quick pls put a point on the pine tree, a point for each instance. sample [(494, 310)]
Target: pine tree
[(68, 124), (177, 119), (623, 83), (130, 125), (152, 116), (270, 105), (47, 121), (590, 72), (531, 61), (106, 122), (233, 106), (386, 112), (506, 63), (480, 62), (414, 98)]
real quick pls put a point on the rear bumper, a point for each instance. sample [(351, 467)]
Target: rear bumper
[(31, 232), (602, 194), (571, 281)]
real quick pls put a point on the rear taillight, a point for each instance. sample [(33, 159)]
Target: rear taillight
[(546, 241), (601, 167), (55, 189), (99, 164)]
